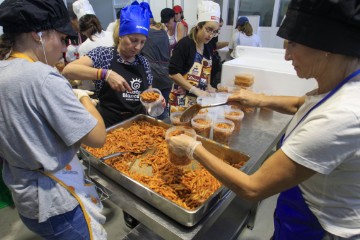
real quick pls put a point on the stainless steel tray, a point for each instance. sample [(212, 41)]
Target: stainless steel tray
[(183, 216)]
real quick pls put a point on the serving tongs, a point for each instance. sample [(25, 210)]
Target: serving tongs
[(116, 154), (189, 113)]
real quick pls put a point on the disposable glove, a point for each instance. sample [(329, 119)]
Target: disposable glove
[(95, 101), (79, 93), (183, 144), (210, 89), (198, 92)]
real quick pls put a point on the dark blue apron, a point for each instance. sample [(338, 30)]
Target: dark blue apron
[(116, 106), (292, 218)]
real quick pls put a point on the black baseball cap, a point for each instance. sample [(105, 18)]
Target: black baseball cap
[(331, 26), (167, 14), (20, 16)]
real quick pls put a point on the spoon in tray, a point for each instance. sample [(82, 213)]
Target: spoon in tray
[(189, 113), (120, 153)]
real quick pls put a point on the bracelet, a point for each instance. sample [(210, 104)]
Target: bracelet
[(191, 152), (103, 74), (98, 74), (107, 75)]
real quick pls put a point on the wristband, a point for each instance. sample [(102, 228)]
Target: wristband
[(98, 74), (192, 150), (107, 75), (103, 73)]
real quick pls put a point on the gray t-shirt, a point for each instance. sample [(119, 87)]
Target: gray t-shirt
[(41, 123)]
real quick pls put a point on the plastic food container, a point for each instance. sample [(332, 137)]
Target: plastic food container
[(202, 125), (151, 99), (222, 88), (236, 116), (203, 112), (222, 131), (175, 119), (179, 158)]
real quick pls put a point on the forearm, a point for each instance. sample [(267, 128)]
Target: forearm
[(282, 104), (179, 80), (96, 138), (270, 179), (231, 177), (80, 72), (220, 45)]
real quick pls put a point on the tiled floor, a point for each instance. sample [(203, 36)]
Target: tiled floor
[(11, 227)]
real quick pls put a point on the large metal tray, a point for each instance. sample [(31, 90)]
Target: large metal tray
[(183, 216)]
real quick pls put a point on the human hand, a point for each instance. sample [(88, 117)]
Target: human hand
[(210, 89), (94, 101), (163, 102), (198, 92), (79, 93), (245, 98), (117, 82), (183, 143), (180, 91)]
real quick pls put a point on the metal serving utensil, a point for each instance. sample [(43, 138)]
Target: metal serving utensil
[(189, 113), (116, 154)]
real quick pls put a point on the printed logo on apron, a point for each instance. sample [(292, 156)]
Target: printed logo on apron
[(133, 96)]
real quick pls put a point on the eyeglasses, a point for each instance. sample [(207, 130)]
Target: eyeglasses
[(214, 33)]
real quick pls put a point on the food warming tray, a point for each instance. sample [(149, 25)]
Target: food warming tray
[(179, 214)]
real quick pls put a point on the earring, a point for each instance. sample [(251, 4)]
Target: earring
[(327, 54)]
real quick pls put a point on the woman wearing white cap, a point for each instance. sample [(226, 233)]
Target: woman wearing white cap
[(190, 63), (122, 73), (43, 125)]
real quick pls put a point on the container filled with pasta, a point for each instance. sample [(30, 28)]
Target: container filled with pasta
[(152, 100), (222, 130), (184, 193), (202, 125), (179, 158), (175, 119), (236, 116)]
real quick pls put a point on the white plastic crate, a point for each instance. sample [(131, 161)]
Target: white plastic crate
[(273, 75)]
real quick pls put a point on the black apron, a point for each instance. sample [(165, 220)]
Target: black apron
[(116, 106)]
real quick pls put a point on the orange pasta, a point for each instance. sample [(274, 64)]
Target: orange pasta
[(186, 187)]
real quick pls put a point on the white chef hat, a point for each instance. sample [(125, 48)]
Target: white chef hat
[(82, 7), (208, 11)]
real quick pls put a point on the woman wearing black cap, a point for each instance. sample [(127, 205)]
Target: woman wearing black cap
[(43, 124), (122, 73), (317, 169)]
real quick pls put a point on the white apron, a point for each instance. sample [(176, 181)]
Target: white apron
[(72, 178)]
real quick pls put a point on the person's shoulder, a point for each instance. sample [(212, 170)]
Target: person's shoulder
[(184, 23), (141, 58), (101, 50), (186, 41)]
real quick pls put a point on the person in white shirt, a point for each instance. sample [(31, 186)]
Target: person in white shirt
[(111, 26), (244, 36), (96, 37)]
